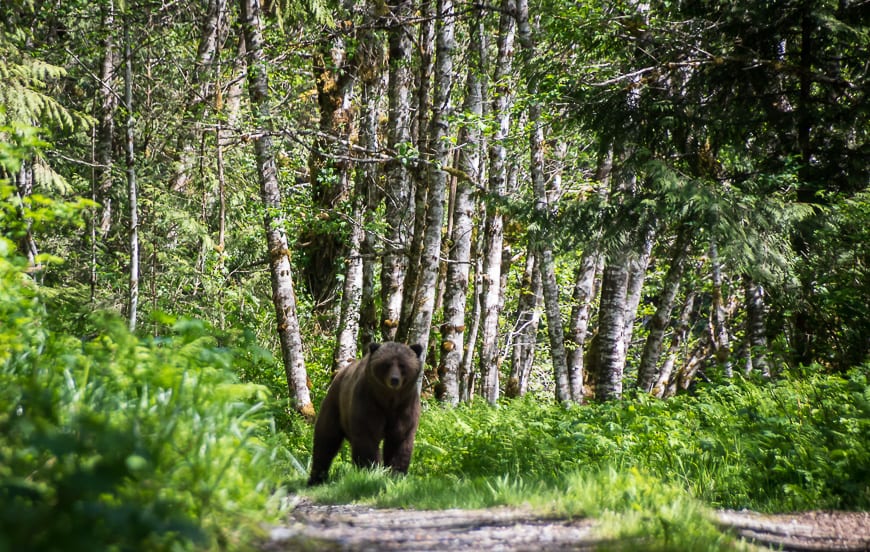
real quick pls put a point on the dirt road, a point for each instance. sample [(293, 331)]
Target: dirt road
[(360, 528)]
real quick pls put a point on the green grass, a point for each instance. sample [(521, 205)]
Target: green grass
[(633, 511), (113, 442), (649, 470)]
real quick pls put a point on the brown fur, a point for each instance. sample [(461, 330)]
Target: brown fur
[(371, 400)]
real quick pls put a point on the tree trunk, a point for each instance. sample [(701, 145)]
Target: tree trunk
[(106, 134), (494, 240), (213, 31), (132, 190), (526, 329), (369, 63), (329, 167), (459, 255), (637, 266), (612, 310), (24, 188), (423, 304), (611, 325), (278, 251), (584, 293), (647, 372), (665, 383), (719, 329), (756, 341), (398, 192), (351, 296), (544, 251)]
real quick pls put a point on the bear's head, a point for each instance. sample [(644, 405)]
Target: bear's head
[(394, 365)]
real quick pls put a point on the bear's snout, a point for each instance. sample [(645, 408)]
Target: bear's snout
[(394, 377)]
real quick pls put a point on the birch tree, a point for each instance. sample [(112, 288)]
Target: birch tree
[(756, 340), (108, 94), (543, 250), (718, 327), (132, 188), (423, 303), (356, 300), (647, 372), (497, 186), (281, 272), (398, 192), (526, 328), (200, 90)]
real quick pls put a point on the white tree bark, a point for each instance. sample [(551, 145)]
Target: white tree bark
[(544, 251), (494, 234), (719, 329), (283, 294), (637, 266), (459, 253), (398, 191), (106, 133), (423, 304), (132, 189), (213, 31), (648, 371), (755, 326), (584, 292), (526, 328)]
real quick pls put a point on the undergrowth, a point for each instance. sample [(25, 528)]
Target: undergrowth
[(793, 444), (648, 469), (112, 442)]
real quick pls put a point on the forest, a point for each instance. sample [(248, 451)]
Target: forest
[(632, 238)]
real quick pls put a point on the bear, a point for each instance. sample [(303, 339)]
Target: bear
[(371, 400)]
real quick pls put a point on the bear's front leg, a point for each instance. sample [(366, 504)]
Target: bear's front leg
[(327, 440), (398, 446)]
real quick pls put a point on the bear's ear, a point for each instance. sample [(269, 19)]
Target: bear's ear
[(417, 348), (373, 347)]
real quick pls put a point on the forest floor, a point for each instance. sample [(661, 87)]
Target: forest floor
[(360, 528)]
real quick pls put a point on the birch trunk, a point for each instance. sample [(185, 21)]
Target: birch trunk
[(459, 254), (498, 175), (637, 267), (526, 329), (420, 135), (213, 30), (719, 329), (584, 292), (647, 372), (106, 134), (439, 127), (398, 192), (279, 253), (544, 252), (612, 310), (132, 189), (351, 296), (467, 374), (756, 341), (664, 382), (611, 325), (369, 69)]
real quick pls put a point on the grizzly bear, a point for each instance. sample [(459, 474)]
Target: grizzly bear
[(373, 399)]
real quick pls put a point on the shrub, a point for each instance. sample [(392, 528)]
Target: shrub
[(115, 442)]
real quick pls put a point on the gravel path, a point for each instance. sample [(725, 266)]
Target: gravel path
[(360, 528)]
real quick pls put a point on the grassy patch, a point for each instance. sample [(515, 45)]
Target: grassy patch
[(634, 511)]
